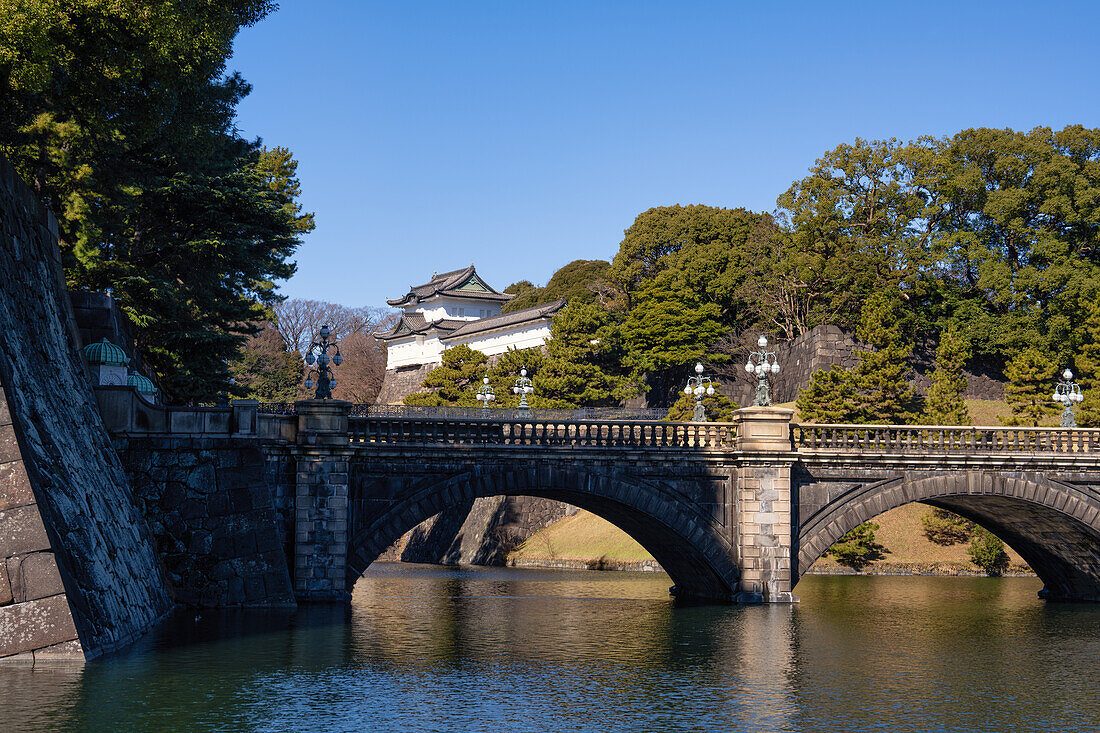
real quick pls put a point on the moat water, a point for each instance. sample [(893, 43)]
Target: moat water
[(426, 648)]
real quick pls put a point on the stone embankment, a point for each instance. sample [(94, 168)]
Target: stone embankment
[(79, 574)]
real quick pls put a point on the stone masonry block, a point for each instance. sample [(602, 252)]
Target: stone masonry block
[(6, 596), (35, 624), (15, 486), (34, 576), (22, 531)]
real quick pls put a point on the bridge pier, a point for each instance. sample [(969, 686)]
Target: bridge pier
[(322, 454), (764, 508)]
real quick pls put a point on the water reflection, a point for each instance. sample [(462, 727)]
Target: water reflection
[(430, 648)]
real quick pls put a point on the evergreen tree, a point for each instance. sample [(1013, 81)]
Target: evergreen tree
[(946, 528), (830, 397), (858, 549), (987, 551), (583, 358), (1088, 367), (876, 391), (1030, 385), (505, 371), (669, 327), (121, 117), (945, 404), (884, 393), (454, 381)]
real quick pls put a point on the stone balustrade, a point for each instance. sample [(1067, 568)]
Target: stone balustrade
[(636, 434), (931, 439)]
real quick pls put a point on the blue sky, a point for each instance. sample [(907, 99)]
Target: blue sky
[(522, 135)]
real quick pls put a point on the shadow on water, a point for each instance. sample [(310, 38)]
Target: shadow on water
[(494, 649)]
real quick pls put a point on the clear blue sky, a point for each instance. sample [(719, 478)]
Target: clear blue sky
[(523, 135)]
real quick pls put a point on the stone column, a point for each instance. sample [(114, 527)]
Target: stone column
[(321, 501), (763, 509)]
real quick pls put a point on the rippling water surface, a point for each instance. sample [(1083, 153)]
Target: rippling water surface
[(425, 648)]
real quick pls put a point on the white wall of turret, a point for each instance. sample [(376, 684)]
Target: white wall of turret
[(420, 349), (455, 308)]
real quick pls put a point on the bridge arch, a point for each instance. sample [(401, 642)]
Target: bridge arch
[(697, 555), (1054, 526)]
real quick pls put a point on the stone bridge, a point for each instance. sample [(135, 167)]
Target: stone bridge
[(733, 511)]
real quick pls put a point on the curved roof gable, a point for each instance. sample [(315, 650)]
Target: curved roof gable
[(464, 283)]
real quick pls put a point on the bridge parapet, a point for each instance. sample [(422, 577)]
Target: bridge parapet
[(633, 434), (940, 439)]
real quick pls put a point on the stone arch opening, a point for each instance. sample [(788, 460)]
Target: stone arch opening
[(1055, 527), (698, 558)]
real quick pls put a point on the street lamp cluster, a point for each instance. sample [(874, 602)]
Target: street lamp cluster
[(1068, 393), (695, 387), (762, 363), (318, 354), (485, 395), (523, 387)]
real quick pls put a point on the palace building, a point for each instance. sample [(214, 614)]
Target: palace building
[(454, 308)]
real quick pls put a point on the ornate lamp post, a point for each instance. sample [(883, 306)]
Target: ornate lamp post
[(318, 353), (485, 396), (1068, 392), (695, 387), (762, 363), (524, 387)]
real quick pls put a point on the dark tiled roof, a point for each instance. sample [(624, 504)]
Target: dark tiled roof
[(413, 323), (445, 284), (515, 318)]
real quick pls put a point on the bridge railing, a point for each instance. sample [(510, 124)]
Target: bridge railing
[(538, 432), (942, 439)]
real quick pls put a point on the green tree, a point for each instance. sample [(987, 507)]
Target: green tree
[(1087, 362), (876, 391), (987, 551), (719, 407), (945, 528), (704, 245), (454, 381), (945, 404), (668, 328), (121, 117), (1030, 385), (857, 549), (583, 365), (506, 370), (580, 280), (266, 370), (830, 397)]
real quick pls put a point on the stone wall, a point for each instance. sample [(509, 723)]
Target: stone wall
[(482, 532), (401, 382), (98, 317), (213, 516), (80, 573)]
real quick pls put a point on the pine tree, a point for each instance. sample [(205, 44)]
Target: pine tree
[(884, 393), (668, 328), (877, 390), (455, 380), (1088, 366), (830, 397), (945, 404), (1030, 384), (583, 358)]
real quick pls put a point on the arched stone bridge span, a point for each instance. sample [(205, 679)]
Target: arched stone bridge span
[(733, 511)]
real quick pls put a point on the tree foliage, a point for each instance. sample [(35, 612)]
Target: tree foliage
[(266, 370), (580, 280), (455, 380), (584, 357), (121, 117), (946, 528), (669, 328), (1030, 385), (857, 549), (987, 551), (945, 404), (718, 407)]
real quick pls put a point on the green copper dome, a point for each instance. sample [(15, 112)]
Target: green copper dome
[(105, 353), (143, 384)]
